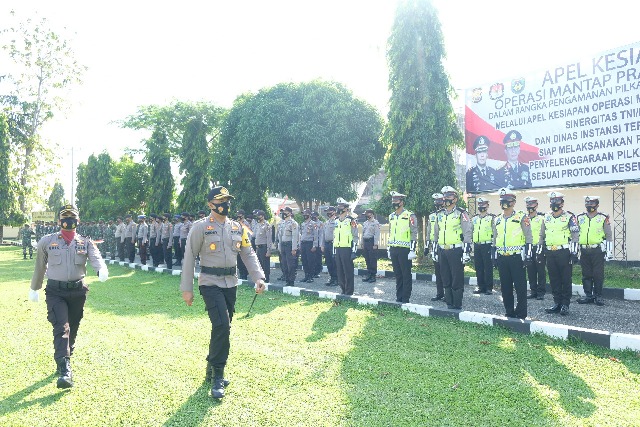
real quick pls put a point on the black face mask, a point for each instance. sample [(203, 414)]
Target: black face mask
[(306, 216), (69, 223), (505, 204), (448, 202), (395, 205), (556, 206), (482, 208), (222, 208), (591, 208), (339, 210), (369, 216), (531, 209)]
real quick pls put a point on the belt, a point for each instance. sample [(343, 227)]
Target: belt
[(260, 245), (287, 243), (484, 243), (446, 247), (557, 247), (509, 253), (367, 238), (590, 246), (218, 271), (65, 285)]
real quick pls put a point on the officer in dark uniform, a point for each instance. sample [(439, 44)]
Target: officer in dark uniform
[(308, 243), (62, 257), (317, 253), (514, 174), (263, 242), (345, 246), (370, 241), (431, 246), (481, 177), (326, 245), (290, 245), (242, 270), (560, 234), (25, 234), (218, 241), (401, 245), (596, 246)]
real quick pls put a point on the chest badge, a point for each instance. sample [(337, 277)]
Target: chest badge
[(237, 245), (212, 246)]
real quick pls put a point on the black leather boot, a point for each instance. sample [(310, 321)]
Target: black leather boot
[(588, 298), (64, 373), (209, 375), (554, 309), (217, 388)]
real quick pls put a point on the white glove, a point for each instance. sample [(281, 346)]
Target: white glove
[(465, 258), (34, 296), (412, 255), (389, 253), (103, 274)]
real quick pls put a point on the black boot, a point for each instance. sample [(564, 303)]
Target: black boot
[(64, 373), (554, 309), (209, 375), (587, 286), (217, 388)]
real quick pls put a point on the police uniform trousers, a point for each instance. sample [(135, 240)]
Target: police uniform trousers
[(65, 307), (121, 247), (511, 270), (344, 270), (220, 305), (330, 259), (142, 249), (153, 249), (439, 287), (560, 268), (130, 249), (307, 258), (291, 262), (402, 270), (265, 261), (283, 262), (370, 256), (537, 274), (243, 273), (177, 250), (166, 250), (592, 263), (484, 266), (317, 255), (452, 272)]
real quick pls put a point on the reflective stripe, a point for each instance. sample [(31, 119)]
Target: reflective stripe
[(557, 247), (446, 247)]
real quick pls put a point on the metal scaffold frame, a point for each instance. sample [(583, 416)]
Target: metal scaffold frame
[(619, 223)]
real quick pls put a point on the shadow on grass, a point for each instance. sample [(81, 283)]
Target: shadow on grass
[(18, 400), (328, 322), (409, 370), (195, 409)]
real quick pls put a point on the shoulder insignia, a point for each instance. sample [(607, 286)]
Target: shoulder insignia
[(412, 220), (464, 215), (525, 221)]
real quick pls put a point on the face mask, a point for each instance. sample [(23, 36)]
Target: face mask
[(482, 208), (395, 205), (448, 202), (591, 208), (369, 216), (339, 210), (531, 209), (505, 204), (439, 203), (556, 206), (306, 216), (222, 208), (68, 223)]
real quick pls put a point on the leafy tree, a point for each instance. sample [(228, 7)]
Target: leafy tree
[(94, 183), (130, 188), (162, 189), (46, 66), (56, 198), (10, 213), (311, 141), (421, 131), (195, 164)]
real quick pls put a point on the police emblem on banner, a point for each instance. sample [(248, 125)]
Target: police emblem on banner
[(476, 95), (517, 85), (496, 91)]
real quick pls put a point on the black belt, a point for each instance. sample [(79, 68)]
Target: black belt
[(65, 285), (287, 243), (367, 238), (260, 245), (218, 271)]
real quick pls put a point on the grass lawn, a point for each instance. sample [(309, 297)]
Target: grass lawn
[(140, 353)]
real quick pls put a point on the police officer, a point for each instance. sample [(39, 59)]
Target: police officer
[(62, 257), (370, 242), (120, 237), (317, 252), (345, 246), (142, 236), (401, 246), (166, 234), (481, 177), (514, 173), (326, 245), (289, 245), (430, 245), (109, 238), (218, 241), (281, 255), (129, 236), (201, 214), (262, 233), (175, 237), (482, 241), (25, 235), (240, 217), (536, 271), (512, 246), (596, 245), (560, 234), (453, 233), (308, 243)]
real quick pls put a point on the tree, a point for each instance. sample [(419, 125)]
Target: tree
[(10, 213), (311, 141), (130, 184), (46, 66), (56, 198), (162, 190), (93, 179), (421, 131), (195, 164)]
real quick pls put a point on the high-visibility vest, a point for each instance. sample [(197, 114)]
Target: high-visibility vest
[(399, 229), (450, 228), (342, 234), (591, 229), (557, 229), (482, 228), (509, 234), (536, 225)]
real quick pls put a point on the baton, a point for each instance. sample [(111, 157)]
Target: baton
[(251, 306)]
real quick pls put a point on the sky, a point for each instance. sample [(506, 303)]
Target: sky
[(141, 52)]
